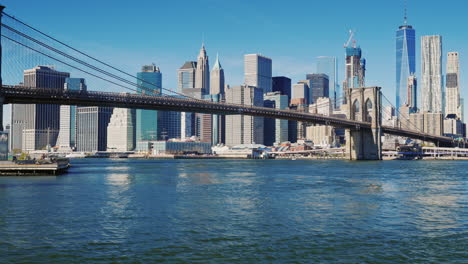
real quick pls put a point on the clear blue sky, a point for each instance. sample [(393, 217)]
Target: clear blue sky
[(292, 33)]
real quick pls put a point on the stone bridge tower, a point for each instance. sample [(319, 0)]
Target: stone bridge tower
[(364, 104)]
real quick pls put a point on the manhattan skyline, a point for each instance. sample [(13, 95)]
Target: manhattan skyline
[(292, 42)]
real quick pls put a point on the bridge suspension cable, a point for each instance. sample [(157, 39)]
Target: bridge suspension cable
[(30, 38)]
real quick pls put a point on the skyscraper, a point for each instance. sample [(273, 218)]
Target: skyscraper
[(149, 83), (328, 66), (186, 85), (186, 76), (453, 106), (257, 72), (412, 96), (67, 133), (283, 85), (217, 78), (34, 126), (121, 130), (319, 86), (276, 130), (242, 129), (355, 70), (301, 91), (217, 95), (203, 122), (91, 128), (168, 125), (405, 62), (202, 74), (431, 74)]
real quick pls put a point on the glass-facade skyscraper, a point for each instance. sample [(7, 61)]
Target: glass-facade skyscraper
[(319, 86), (149, 83), (405, 62), (67, 132), (328, 66)]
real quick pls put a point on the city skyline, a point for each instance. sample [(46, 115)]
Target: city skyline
[(378, 45)]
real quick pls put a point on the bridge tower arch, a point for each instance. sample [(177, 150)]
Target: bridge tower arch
[(364, 144)]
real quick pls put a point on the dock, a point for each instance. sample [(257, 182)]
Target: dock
[(34, 168)]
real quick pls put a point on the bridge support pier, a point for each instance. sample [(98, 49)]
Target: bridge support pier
[(364, 104), (363, 144), (1, 82), (2, 100)]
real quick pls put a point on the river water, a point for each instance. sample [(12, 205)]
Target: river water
[(248, 211)]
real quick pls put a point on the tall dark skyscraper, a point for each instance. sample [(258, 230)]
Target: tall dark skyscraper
[(319, 86), (283, 85), (405, 61)]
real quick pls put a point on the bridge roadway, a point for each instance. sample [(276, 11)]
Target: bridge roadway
[(27, 95)]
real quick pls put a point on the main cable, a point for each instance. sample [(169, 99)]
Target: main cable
[(93, 58)]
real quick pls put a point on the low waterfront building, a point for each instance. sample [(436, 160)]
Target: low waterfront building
[(244, 151), (179, 147)]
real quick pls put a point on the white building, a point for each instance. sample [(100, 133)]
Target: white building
[(323, 106), (67, 132), (243, 129), (434, 123), (276, 130), (452, 83), (323, 136), (121, 130), (431, 72), (300, 90), (258, 72)]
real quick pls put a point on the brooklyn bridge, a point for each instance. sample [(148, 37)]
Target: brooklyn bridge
[(363, 110)]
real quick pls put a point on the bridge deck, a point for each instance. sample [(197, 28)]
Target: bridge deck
[(26, 95)]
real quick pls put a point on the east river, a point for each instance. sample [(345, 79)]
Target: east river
[(249, 211)]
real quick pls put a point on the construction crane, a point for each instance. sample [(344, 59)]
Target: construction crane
[(351, 35)]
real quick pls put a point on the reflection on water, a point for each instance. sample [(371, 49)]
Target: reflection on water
[(147, 211)]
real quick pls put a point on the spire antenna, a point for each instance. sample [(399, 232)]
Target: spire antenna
[(406, 18)]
